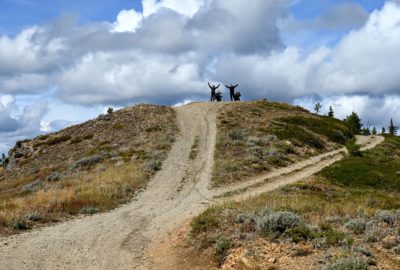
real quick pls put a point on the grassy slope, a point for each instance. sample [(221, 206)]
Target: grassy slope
[(124, 150), (254, 137), (354, 188)]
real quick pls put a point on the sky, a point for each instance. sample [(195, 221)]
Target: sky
[(64, 62)]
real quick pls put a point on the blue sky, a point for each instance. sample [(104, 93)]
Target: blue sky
[(55, 71), (18, 14)]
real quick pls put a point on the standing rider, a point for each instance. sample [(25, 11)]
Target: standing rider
[(213, 88), (232, 90)]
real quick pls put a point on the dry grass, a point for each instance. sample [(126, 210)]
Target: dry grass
[(102, 190), (101, 170)]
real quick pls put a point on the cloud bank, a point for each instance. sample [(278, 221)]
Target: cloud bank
[(166, 54)]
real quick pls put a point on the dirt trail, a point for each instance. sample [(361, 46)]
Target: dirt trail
[(118, 239)]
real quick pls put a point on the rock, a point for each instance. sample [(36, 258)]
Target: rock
[(398, 173), (272, 260), (246, 262), (390, 242)]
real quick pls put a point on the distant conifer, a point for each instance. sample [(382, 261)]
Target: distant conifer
[(331, 114), (392, 128), (353, 122)]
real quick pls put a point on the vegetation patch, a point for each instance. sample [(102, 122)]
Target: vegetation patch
[(340, 212), (255, 137)]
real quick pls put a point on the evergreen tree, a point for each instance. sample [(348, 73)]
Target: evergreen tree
[(366, 131), (353, 122), (374, 131), (383, 130), (317, 108), (331, 114), (392, 128), (110, 110)]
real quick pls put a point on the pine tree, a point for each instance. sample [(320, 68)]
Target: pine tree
[(392, 128), (331, 114), (317, 108), (374, 131), (383, 130), (110, 110), (366, 131), (353, 122)]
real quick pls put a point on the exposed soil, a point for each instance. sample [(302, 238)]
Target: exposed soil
[(136, 235)]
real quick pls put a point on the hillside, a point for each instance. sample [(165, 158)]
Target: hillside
[(345, 217), (85, 168), (256, 137), (150, 231)]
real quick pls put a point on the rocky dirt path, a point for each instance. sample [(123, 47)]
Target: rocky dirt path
[(118, 239)]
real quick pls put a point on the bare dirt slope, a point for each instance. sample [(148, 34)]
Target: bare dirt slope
[(118, 240)]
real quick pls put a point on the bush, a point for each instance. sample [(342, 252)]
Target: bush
[(331, 235), (246, 218), (386, 216), (357, 226), (205, 221), (34, 216), (354, 148), (19, 224), (302, 233), (237, 135), (89, 210), (88, 161), (153, 166), (54, 177), (222, 245), (350, 263), (376, 234), (278, 223)]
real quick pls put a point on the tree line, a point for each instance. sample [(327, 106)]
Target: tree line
[(355, 125)]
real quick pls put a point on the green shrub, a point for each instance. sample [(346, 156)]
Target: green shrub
[(353, 148), (302, 233), (331, 235), (204, 222)]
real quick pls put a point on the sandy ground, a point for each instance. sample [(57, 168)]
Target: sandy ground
[(119, 239)]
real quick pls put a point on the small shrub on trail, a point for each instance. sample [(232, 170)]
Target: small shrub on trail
[(153, 166), (90, 210), (354, 148)]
